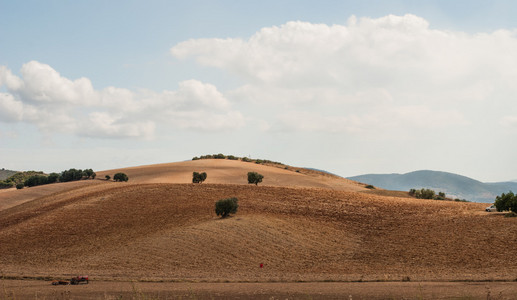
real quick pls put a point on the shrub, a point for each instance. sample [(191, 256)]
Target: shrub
[(225, 207), (506, 201), (198, 177), (107, 177), (120, 177), (371, 187), (20, 186), (6, 185), (88, 173), (219, 156), (254, 177), (71, 175), (36, 180), (422, 193), (440, 196), (52, 177)]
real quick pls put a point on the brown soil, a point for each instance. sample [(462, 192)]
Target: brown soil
[(169, 232), (27, 289)]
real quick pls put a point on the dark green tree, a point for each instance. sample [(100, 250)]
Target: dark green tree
[(36, 180), (120, 177), (254, 177), (88, 173), (71, 175), (107, 177), (6, 184), (198, 177), (52, 177), (506, 201), (225, 207)]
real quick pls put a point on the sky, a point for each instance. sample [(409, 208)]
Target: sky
[(351, 87)]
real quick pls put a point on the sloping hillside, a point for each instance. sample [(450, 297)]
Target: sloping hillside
[(219, 171), (4, 174), (170, 232), (234, 172), (453, 185), (302, 226)]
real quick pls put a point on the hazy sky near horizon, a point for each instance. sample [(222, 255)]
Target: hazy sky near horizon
[(351, 87)]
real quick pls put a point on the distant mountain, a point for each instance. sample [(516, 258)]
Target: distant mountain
[(453, 185), (4, 174)]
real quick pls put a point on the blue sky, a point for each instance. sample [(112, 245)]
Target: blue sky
[(352, 87)]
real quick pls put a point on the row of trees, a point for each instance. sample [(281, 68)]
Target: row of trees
[(30, 179), (253, 177), (21, 179), (430, 194), (427, 194), (232, 157)]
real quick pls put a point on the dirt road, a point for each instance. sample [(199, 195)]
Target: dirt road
[(29, 289)]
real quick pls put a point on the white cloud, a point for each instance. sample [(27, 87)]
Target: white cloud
[(11, 110), (391, 72), (41, 96)]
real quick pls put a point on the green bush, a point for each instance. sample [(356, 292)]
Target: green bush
[(6, 185), (198, 177), (371, 187), (119, 177), (506, 202), (20, 186), (52, 177), (107, 177), (254, 177), (423, 193), (36, 180), (225, 207), (88, 173), (71, 175)]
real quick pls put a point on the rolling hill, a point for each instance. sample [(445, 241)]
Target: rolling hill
[(455, 186), (302, 226), (4, 174)]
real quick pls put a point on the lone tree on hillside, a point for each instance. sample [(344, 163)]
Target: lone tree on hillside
[(120, 177), (225, 207), (506, 202), (254, 177), (198, 177)]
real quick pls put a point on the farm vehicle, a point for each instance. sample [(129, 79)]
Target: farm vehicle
[(75, 280)]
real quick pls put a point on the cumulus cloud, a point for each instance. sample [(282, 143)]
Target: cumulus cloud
[(347, 77), (11, 110), (41, 96)]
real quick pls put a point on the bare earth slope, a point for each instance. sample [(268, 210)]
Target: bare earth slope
[(234, 172), (169, 231), (219, 171), (160, 229)]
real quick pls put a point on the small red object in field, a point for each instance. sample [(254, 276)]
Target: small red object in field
[(261, 266)]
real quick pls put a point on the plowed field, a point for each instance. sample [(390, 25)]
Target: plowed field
[(169, 232)]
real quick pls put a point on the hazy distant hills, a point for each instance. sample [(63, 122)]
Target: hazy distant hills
[(453, 185), (4, 174)]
